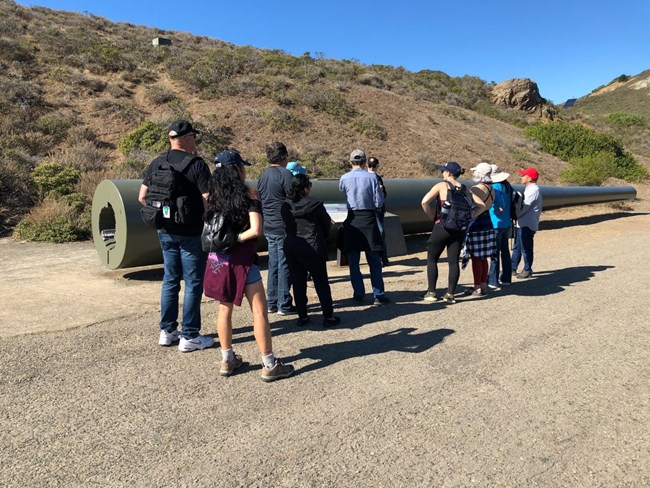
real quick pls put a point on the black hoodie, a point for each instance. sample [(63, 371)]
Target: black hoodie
[(307, 224)]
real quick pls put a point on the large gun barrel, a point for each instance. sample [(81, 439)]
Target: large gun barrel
[(122, 240)]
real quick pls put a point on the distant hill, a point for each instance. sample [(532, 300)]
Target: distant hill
[(93, 96), (621, 108)]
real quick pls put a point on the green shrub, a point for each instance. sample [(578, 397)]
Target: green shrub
[(624, 120), (281, 120), (215, 136), (428, 163), (53, 221), (159, 95), (149, 136), (106, 57), (84, 156), (325, 100), (590, 170), (370, 127), (572, 142), (53, 179), (17, 189), (133, 167), (322, 163)]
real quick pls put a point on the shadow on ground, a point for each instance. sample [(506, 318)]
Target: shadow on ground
[(554, 281), (589, 220), (402, 340)]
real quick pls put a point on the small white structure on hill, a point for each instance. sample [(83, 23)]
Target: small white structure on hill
[(161, 41)]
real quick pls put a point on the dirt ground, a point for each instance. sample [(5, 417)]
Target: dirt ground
[(545, 383)]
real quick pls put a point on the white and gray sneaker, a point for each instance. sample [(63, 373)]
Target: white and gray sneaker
[(198, 342), (167, 338)]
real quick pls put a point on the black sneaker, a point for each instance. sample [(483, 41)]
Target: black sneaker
[(331, 321), (290, 311), (302, 321), (381, 300), (358, 298)]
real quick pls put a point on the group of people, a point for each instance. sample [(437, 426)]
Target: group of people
[(495, 207), (296, 227)]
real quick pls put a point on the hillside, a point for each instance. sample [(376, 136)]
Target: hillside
[(73, 86), (620, 108)]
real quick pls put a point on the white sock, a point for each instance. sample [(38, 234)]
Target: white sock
[(228, 354), (268, 361)]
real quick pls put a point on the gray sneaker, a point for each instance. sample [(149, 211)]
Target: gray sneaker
[(167, 338), (430, 297), (229, 367), (278, 371), (449, 298), (524, 275), (198, 342)]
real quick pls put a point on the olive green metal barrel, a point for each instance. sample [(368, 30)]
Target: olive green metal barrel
[(122, 240)]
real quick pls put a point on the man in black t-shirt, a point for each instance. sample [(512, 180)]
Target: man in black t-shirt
[(183, 256), (273, 187)]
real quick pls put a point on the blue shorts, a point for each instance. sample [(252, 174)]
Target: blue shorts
[(254, 275)]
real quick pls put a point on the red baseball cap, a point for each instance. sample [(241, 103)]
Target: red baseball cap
[(532, 172)]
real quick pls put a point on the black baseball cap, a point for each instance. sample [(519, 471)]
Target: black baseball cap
[(180, 128)]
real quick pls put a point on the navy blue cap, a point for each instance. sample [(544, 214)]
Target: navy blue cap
[(453, 167), (229, 157)]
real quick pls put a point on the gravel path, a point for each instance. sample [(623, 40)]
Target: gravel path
[(543, 384)]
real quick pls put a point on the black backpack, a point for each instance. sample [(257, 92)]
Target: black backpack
[(218, 235), (514, 199), (456, 212), (168, 196)]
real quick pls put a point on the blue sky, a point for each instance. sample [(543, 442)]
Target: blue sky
[(569, 47)]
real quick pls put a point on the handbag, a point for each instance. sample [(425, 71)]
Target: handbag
[(218, 235)]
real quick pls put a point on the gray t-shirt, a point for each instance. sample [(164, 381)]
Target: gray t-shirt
[(273, 187)]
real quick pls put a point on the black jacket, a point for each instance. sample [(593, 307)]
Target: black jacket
[(307, 224)]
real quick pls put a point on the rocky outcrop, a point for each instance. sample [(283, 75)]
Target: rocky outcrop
[(522, 94)]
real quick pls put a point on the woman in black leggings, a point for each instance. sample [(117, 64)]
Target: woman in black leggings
[(440, 237)]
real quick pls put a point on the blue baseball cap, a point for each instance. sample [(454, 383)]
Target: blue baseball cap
[(229, 157), (452, 166), (296, 168)]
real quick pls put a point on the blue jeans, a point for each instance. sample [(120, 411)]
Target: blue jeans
[(184, 259), (523, 248), (501, 262), (382, 231), (376, 278), (278, 283)]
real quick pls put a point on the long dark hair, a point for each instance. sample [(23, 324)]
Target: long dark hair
[(228, 196), (298, 184)]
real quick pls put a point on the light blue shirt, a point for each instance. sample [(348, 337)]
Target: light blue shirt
[(362, 190), (500, 209)]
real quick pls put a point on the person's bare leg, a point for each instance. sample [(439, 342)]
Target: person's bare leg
[(224, 325), (261, 328)]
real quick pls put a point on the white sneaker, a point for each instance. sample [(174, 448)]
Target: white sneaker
[(199, 342), (167, 338)]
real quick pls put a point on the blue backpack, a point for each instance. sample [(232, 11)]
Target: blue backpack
[(456, 212)]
